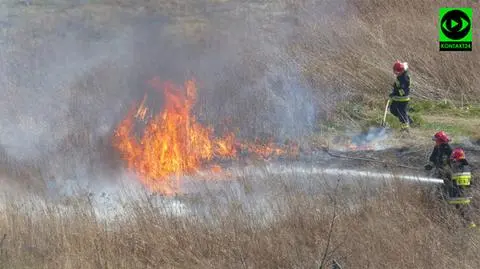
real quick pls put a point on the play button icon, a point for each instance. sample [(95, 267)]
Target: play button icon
[(455, 24)]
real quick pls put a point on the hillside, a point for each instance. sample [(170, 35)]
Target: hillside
[(313, 72)]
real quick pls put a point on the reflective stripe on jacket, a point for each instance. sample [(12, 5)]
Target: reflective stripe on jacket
[(459, 201), (400, 98), (462, 179)]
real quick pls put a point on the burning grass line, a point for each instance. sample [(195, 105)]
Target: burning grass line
[(174, 143)]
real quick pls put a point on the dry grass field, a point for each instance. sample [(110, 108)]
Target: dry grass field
[(341, 50), (394, 225)]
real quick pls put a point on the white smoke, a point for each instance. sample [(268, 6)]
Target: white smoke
[(66, 86)]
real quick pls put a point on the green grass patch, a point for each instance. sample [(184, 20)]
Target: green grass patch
[(445, 107), (449, 128), (427, 115)]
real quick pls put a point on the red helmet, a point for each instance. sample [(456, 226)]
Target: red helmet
[(399, 68), (457, 154), (441, 137)]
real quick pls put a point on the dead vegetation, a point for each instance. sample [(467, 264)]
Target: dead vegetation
[(358, 48), (393, 225), (344, 49)]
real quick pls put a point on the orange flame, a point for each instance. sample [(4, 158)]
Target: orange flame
[(353, 147), (174, 143)]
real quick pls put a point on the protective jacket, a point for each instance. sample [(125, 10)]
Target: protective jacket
[(401, 88), (460, 181), (440, 156)]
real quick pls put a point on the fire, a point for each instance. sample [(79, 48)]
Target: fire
[(142, 110), (216, 169), (352, 147), (174, 143), (360, 147)]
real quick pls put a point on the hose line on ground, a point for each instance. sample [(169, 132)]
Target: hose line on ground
[(368, 160)]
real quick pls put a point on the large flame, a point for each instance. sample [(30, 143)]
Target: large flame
[(174, 143)]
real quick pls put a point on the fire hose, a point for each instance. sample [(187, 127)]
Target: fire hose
[(384, 120), (386, 164)]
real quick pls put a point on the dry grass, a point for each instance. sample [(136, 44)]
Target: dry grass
[(394, 225), (352, 49), (354, 52), (345, 55)]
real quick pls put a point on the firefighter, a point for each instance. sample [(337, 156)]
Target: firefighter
[(459, 184), (440, 156), (400, 95)]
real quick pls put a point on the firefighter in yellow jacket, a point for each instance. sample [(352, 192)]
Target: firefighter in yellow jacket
[(459, 184)]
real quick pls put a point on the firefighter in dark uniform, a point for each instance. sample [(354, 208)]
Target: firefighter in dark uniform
[(458, 185), (400, 95), (440, 156)]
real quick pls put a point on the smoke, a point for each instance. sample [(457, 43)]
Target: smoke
[(71, 76), (36, 105), (65, 84), (258, 87)]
